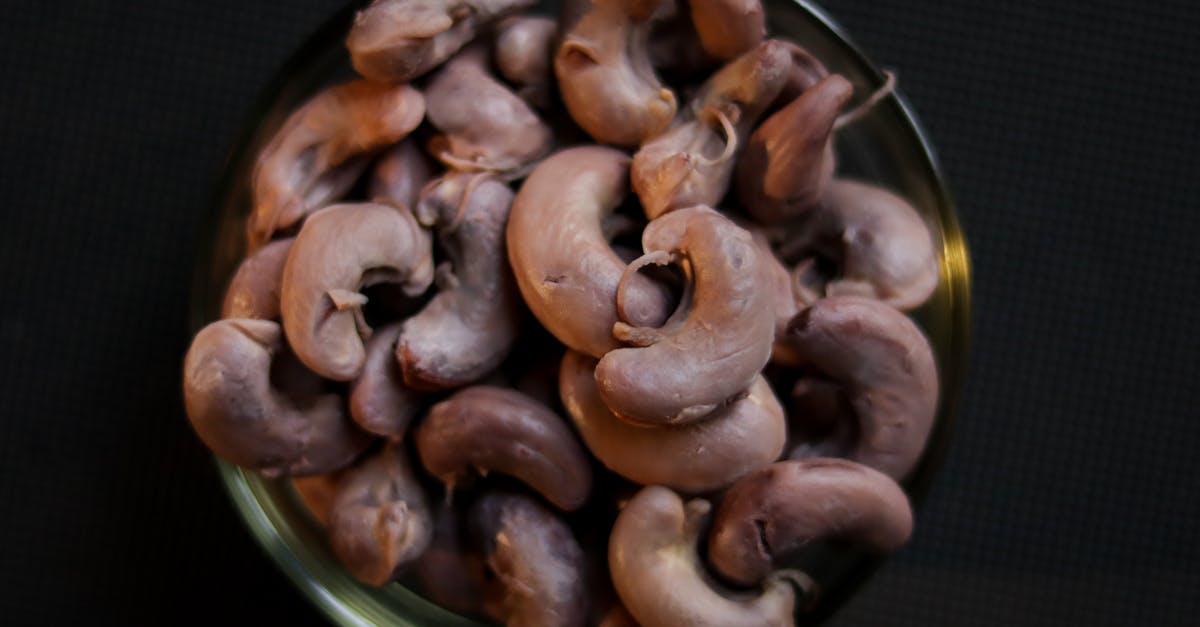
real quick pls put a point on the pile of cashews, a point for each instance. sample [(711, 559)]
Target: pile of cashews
[(443, 333)]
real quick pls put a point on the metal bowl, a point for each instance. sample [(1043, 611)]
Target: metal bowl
[(887, 147)]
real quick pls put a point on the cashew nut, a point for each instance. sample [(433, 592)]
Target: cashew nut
[(400, 174), (484, 125), (878, 242), (886, 369), (715, 345), (789, 160), (524, 50), (253, 291), (806, 71), (380, 521), (566, 270), (694, 458), (244, 418), (323, 147), (317, 493), (692, 163), (469, 327), (487, 429), (604, 72), (661, 580), (341, 249), (536, 561), (451, 575), (395, 41), (380, 402), (771, 514), (728, 28)]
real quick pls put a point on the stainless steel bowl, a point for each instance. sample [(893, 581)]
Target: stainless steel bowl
[(887, 146)]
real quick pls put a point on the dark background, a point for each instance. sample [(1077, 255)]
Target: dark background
[(1067, 130)]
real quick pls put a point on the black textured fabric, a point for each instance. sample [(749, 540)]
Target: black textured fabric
[(1067, 130)]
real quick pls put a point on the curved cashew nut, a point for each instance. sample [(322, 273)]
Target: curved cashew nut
[(886, 369), (537, 563), (877, 240), (565, 268), (713, 348), (380, 521), (692, 163), (484, 125), (395, 41), (604, 72), (451, 574), (323, 147), (696, 458), (789, 160), (341, 249), (770, 514), (728, 28), (244, 418), (380, 402), (487, 429), (253, 291), (400, 174), (470, 326), (524, 49), (661, 580)]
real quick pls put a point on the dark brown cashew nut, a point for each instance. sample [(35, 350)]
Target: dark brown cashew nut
[(789, 159), (245, 419), (253, 291), (696, 458), (380, 402), (395, 41), (566, 269), (470, 326), (715, 344), (604, 73), (652, 554), (537, 563), (484, 126), (884, 366), (341, 249), (400, 174), (728, 28), (878, 242), (323, 147), (693, 162), (484, 429), (450, 571), (524, 52), (771, 514), (380, 521)]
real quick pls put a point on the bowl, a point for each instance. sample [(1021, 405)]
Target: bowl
[(886, 147)]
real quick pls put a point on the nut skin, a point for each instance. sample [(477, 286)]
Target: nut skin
[(380, 521), (728, 28), (380, 402), (341, 249), (245, 419), (322, 148), (879, 243), (471, 325), (400, 174), (771, 514), (806, 71), (565, 268), (484, 125), (253, 291), (652, 554), (489, 429), (395, 41), (524, 52), (715, 344), (697, 458), (886, 370), (537, 563), (789, 161), (693, 162), (604, 72)]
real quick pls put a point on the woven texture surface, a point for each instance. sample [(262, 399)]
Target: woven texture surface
[(1067, 131)]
